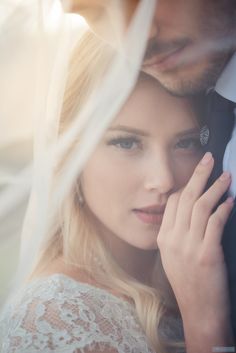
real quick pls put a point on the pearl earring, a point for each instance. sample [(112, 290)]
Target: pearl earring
[(79, 193)]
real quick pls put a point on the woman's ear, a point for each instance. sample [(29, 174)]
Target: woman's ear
[(79, 193)]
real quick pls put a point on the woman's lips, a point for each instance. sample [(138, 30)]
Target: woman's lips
[(150, 215)]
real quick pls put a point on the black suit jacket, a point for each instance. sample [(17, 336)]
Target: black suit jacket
[(229, 236)]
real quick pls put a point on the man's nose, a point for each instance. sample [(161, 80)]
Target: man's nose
[(160, 176)]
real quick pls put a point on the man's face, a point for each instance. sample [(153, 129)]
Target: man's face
[(190, 42)]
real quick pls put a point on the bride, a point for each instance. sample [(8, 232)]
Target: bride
[(132, 260)]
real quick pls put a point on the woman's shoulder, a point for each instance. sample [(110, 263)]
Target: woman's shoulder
[(58, 311), (56, 287), (58, 290)]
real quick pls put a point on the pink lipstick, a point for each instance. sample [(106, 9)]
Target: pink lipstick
[(151, 214)]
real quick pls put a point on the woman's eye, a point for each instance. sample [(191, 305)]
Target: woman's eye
[(189, 144), (125, 143)]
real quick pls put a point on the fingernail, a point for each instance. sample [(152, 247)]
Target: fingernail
[(230, 200), (225, 176), (206, 158)]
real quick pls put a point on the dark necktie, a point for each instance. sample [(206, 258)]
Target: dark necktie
[(220, 121)]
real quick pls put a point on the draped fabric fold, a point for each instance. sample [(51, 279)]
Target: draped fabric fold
[(39, 41)]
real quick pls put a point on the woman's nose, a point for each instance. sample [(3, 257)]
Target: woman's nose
[(160, 177)]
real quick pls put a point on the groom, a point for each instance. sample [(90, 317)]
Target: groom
[(191, 49)]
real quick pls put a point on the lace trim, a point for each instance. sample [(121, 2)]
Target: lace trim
[(59, 314)]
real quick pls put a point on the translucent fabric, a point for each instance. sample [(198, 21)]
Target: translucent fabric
[(37, 38)]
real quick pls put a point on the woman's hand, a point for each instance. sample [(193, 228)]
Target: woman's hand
[(190, 246)]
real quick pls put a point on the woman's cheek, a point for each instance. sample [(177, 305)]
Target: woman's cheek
[(184, 167)]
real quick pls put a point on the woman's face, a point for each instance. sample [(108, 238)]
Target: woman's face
[(149, 151)]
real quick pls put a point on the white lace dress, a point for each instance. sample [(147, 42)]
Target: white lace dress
[(59, 314)]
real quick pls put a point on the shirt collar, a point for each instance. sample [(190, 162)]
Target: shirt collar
[(226, 83)]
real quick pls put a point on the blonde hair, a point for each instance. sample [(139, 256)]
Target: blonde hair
[(74, 236)]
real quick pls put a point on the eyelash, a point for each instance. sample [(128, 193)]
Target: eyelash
[(119, 140), (195, 141)]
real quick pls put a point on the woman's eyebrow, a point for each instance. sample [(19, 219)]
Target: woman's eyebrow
[(144, 133), (192, 131), (128, 129)]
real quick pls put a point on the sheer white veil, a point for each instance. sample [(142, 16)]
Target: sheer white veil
[(37, 38)]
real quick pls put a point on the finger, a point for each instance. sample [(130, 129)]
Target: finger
[(217, 222), (206, 203), (169, 217), (194, 190)]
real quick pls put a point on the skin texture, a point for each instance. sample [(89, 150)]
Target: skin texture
[(191, 235), (202, 31), (206, 30), (141, 170)]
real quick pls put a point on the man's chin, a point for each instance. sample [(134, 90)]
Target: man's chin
[(189, 80), (185, 87), (180, 85)]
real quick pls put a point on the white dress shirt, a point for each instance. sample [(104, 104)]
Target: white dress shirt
[(226, 87)]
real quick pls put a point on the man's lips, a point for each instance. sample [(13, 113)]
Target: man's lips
[(150, 214), (166, 60)]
